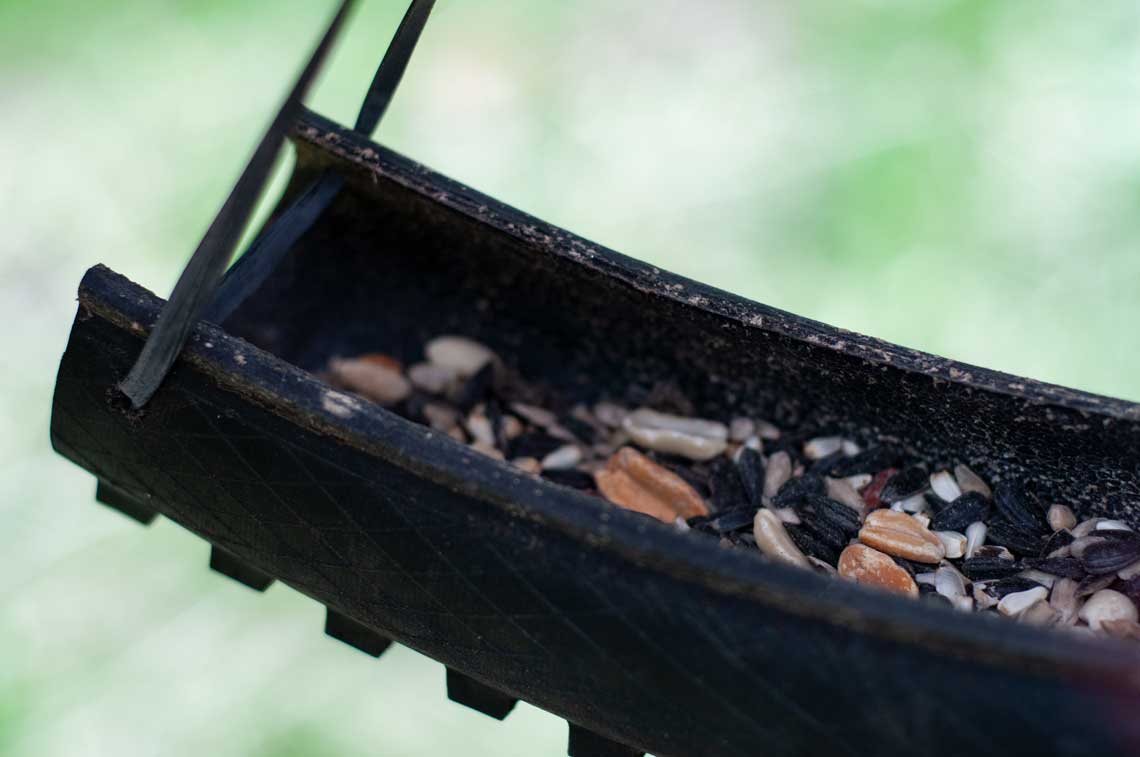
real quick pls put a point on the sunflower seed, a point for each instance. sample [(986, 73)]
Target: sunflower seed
[(968, 481), (1129, 587), (948, 582), (1066, 567), (1060, 517), (774, 541), (741, 428), (869, 462), (975, 537), (993, 550), (915, 504), (945, 486), (1057, 545), (796, 489), (983, 568), (767, 431), (479, 426), (1112, 525), (1085, 527), (960, 513), (1107, 605), (1109, 555), (726, 487), (610, 414), (489, 450), (778, 473), (835, 513), (787, 515), (924, 519), (1010, 585), (982, 599), (1018, 602), (840, 490), (528, 464), (1018, 541), (1014, 504), (905, 484), (858, 481), (1040, 613), (734, 520), (563, 458), (810, 545), (439, 416), (694, 438), (474, 389), (1064, 599), (462, 355), (750, 467), (431, 378), (820, 566), (1092, 584), (953, 542), (822, 446), (1129, 572)]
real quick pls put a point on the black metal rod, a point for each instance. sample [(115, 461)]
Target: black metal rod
[(199, 280), (271, 246)]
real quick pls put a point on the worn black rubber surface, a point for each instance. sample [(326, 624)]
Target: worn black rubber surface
[(653, 639)]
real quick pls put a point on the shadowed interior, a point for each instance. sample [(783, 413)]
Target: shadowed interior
[(404, 255)]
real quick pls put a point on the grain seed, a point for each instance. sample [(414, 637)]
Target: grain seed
[(870, 567)]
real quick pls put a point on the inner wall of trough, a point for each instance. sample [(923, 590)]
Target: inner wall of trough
[(385, 270)]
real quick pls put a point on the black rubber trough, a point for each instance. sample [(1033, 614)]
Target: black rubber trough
[(642, 637)]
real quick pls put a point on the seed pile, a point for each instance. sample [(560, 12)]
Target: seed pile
[(876, 516)]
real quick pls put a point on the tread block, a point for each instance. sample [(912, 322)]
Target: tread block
[(228, 565), (354, 633), (586, 743), (478, 696), (117, 499)]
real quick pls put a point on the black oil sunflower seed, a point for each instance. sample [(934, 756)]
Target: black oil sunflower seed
[(1065, 567), (837, 514), (1016, 506), (1093, 584), (826, 533), (536, 444), (575, 479), (825, 465), (810, 545), (871, 461), (1110, 555), (1058, 539), (986, 568), (1017, 541), (937, 504), (999, 589), (1129, 588), (751, 468), (475, 389), (968, 508), (734, 520), (798, 488), (581, 430), (905, 484), (726, 487)]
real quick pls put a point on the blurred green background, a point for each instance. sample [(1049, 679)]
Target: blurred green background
[(960, 177)]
